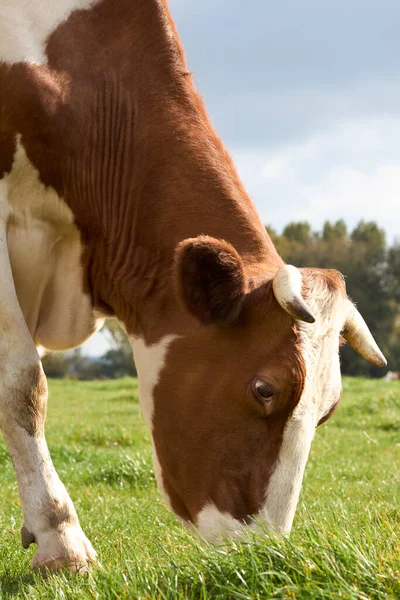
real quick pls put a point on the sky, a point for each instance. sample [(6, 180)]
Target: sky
[(306, 95)]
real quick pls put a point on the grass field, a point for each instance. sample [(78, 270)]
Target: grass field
[(345, 540)]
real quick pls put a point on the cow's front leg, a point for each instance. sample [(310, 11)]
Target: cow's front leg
[(50, 519)]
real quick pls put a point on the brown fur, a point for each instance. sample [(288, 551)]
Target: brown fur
[(122, 141), (213, 438), (28, 399), (210, 279), (114, 124), (59, 514)]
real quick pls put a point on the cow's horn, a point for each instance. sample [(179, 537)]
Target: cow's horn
[(358, 335), (287, 290)]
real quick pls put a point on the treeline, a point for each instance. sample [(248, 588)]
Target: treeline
[(116, 362), (372, 271)]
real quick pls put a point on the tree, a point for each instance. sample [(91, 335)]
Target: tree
[(55, 365), (393, 267), (298, 232), (334, 231), (372, 239), (118, 361)]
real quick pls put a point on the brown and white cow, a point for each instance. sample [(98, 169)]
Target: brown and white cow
[(118, 198)]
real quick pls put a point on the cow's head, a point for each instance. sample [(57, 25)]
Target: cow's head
[(233, 401)]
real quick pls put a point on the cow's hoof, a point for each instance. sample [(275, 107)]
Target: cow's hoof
[(68, 549)]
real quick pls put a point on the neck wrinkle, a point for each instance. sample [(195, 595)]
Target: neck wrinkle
[(152, 171)]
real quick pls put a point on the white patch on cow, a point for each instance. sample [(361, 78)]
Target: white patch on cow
[(285, 482), (40, 487), (320, 349), (43, 496), (214, 525), (149, 362), (25, 26), (45, 254), (13, 330)]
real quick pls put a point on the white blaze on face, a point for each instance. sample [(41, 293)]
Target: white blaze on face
[(25, 26), (320, 345), (285, 482), (320, 352), (149, 362)]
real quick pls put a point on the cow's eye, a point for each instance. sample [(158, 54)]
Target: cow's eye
[(263, 390)]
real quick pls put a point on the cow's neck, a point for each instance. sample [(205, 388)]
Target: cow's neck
[(155, 170), (142, 168), (175, 186)]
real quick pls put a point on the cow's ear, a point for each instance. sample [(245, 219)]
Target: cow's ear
[(210, 279)]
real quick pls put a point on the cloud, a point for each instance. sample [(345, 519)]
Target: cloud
[(274, 169), (350, 171), (357, 194)]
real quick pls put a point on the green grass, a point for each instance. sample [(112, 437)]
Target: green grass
[(344, 542)]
